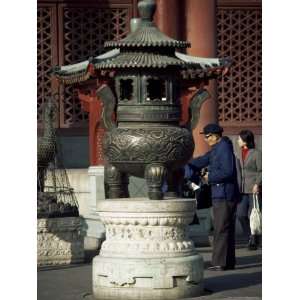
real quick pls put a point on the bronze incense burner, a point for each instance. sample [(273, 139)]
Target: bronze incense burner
[(142, 102)]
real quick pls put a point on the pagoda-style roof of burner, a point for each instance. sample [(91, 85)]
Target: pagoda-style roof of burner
[(190, 66), (145, 47)]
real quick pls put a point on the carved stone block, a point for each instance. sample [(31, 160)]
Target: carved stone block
[(59, 241)]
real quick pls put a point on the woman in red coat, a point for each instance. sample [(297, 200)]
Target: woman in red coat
[(251, 178)]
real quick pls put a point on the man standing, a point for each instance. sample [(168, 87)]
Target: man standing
[(222, 177)]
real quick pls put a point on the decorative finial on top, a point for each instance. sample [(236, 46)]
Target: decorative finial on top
[(147, 9)]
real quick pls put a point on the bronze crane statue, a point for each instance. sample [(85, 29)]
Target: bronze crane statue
[(46, 144)]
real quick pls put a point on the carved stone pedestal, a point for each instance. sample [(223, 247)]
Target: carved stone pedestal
[(147, 253), (59, 241), (94, 229)]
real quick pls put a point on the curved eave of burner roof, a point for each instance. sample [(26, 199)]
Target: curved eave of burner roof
[(191, 67), (82, 71), (201, 67), (72, 73)]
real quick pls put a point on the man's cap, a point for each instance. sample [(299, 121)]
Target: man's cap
[(212, 128)]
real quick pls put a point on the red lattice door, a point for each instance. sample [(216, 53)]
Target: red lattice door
[(46, 55), (85, 29), (240, 93)]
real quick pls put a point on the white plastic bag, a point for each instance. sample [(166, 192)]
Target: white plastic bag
[(255, 217)]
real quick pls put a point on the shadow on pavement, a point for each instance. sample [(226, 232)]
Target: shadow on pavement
[(248, 266), (243, 262), (250, 259), (232, 281), (61, 267)]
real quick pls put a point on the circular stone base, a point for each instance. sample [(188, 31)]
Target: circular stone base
[(147, 253), (147, 279)]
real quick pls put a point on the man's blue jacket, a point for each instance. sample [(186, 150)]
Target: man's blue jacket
[(222, 173)]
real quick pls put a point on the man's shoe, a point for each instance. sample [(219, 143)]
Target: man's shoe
[(215, 268), (252, 245), (220, 268)]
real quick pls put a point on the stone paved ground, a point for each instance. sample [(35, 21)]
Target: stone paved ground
[(243, 283)]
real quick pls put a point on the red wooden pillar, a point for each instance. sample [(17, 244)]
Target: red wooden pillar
[(200, 18), (167, 17), (196, 21), (91, 104)]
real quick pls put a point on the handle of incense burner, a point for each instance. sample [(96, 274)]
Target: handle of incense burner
[(105, 94), (195, 105)]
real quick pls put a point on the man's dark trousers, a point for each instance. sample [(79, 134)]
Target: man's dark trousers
[(224, 233)]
